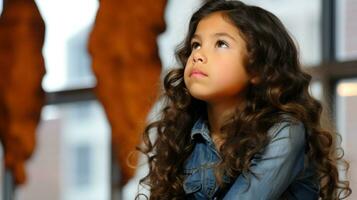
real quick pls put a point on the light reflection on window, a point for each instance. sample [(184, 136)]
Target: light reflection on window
[(316, 89), (346, 106)]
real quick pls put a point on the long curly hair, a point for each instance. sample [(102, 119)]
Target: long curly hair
[(283, 88)]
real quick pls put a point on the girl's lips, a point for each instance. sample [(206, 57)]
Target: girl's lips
[(197, 73)]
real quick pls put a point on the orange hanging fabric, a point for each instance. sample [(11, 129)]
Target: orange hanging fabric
[(21, 71), (127, 66)]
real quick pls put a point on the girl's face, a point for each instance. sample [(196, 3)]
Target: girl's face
[(215, 69)]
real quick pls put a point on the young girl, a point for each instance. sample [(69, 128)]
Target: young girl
[(239, 122)]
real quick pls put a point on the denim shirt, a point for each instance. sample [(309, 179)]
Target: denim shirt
[(281, 167)]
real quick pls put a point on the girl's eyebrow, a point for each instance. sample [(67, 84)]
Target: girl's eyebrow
[(195, 36), (225, 35), (219, 34)]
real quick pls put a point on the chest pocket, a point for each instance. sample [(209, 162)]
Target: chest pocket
[(192, 182), (198, 170), (200, 183)]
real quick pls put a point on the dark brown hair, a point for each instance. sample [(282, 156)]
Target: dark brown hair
[(282, 89)]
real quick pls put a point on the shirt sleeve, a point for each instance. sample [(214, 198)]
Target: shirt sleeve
[(273, 169)]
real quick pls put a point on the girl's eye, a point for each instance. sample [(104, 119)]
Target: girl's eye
[(195, 45), (221, 44)]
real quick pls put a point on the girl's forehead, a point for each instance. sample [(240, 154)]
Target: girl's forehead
[(216, 24)]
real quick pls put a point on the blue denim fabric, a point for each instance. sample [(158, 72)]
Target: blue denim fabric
[(281, 167)]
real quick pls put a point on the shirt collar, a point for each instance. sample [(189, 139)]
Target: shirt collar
[(201, 128)]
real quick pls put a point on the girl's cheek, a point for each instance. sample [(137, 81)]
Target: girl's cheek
[(187, 68), (185, 73)]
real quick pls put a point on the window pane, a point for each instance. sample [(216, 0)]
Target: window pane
[(68, 24), (72, 156), (346, 123), (346, 30)]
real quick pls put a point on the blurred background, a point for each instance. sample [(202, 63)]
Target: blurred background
[(73, 155)]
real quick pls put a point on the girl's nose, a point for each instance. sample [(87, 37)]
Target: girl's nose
[(199, 57)]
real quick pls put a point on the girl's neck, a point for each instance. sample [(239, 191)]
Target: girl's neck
[(218, 113)]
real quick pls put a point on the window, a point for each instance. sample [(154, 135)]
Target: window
[(68, 24), (346, 123), (72, 156), (346, 30)]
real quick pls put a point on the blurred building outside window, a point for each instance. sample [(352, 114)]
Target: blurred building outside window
[(72, 157)]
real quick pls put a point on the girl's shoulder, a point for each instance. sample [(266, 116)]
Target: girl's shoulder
[(290, 129)]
